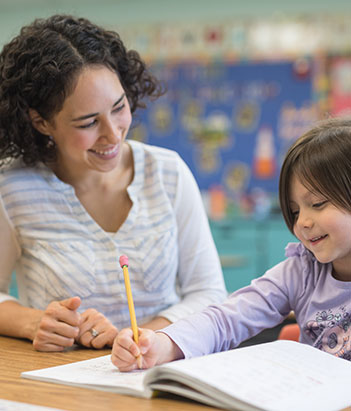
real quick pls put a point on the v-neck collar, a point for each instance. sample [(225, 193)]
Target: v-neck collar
[(81, 214)]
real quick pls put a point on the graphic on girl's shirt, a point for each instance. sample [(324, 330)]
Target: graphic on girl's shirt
[(332, 332)]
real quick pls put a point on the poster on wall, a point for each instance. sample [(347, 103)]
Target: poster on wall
[(231, 123), (340, 86)]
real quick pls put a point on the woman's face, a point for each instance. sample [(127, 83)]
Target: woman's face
[(92, 125)]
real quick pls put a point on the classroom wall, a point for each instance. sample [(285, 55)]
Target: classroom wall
[(248, 244), (14, 13)]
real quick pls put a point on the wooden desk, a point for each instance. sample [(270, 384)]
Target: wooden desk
[(18, 355)]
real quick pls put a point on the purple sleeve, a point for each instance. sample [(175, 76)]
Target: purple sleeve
[(263, 304)]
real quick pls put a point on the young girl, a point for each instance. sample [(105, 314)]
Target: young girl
[(314, 281)]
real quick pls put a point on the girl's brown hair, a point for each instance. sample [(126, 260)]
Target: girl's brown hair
[(321, 160)]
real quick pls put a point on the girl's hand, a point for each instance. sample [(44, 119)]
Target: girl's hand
[(95, 330), (155, 348), (125, 350), (58, 326)]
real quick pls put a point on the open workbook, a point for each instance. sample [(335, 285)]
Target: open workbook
[(281, 375)]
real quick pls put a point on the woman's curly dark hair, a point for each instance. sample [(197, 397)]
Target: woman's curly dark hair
[(39, 69)]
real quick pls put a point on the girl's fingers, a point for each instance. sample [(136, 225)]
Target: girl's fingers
[(125, 338), (124, 360)]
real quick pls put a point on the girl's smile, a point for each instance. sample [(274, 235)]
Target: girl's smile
[(317, 240)]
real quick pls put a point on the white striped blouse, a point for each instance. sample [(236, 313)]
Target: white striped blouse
[(59, 251)]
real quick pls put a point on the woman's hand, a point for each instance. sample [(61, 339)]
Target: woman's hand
[(154, 348), (58, 327), (95, 330)]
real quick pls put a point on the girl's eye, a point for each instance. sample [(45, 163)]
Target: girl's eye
[(295, 214), (320, 204)]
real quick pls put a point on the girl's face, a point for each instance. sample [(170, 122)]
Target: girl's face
[(94, 121), (323, 228)]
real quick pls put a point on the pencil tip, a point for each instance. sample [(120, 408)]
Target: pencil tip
[(140, 361)]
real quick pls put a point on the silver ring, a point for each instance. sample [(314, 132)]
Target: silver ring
[(94, 332)]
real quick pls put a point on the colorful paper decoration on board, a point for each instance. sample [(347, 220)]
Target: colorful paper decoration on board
[(231, 123), (264, 157), (340, 86)]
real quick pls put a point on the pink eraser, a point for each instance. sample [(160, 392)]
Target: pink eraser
[(123, 260)]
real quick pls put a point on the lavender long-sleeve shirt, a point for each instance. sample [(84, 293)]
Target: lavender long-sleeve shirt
[(321, 303)]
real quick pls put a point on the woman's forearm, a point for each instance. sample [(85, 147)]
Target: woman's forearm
[(156, 323), (18, 321)]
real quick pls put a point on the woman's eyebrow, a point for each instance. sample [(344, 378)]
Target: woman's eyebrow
[(119, 100), (85, 116)]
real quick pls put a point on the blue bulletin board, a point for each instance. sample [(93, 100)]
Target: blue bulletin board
[(230, 122)]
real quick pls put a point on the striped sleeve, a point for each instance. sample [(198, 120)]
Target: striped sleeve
[(9, 252)]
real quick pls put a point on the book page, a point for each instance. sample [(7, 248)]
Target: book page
[(282, 375), (277, 376), (6, 405), (99, 373)]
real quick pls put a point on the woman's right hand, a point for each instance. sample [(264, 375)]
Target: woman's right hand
[(154, 348), (58, 327)]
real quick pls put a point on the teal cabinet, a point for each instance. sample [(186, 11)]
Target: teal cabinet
[(247, 248), (13, 286), (278, 237), (234, 242)]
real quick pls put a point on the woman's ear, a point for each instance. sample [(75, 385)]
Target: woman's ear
[(39, 123)]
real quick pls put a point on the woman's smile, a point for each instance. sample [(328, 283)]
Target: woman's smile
[(106, 153)]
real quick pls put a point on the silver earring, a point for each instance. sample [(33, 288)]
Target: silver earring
[(50, 142)]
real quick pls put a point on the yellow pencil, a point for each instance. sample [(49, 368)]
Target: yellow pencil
[(123, 261)]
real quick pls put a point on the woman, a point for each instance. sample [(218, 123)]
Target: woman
[(75, 195)]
